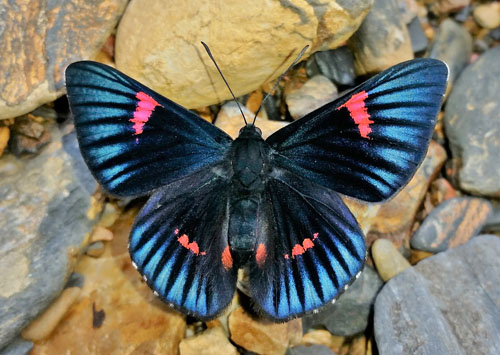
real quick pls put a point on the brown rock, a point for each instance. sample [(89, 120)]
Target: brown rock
[(212, 341), (358, 346), (230, 121), (365, 212), (95, 249), (252, 44), (43, 38), (261, 336), (395, 217), (441, 190), (446, 6), (4, 138), (117, 312), (323, 337), (488, 15), (417, 255), (452, 223), (382, 40), (28, 135), (388, 259), (41, 327), (101, 234)]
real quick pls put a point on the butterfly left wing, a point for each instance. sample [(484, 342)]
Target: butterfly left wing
[(133, 139), (309, 247), (179, 243), (368, 143)]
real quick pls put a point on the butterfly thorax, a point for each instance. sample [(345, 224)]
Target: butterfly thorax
[(248, 162)]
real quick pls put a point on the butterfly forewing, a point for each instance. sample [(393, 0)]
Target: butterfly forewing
[(179, 242), (133, 139), (368, 143), (309, 247)]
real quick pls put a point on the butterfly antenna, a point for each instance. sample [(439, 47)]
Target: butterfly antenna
[(223, 78), (278, 81)]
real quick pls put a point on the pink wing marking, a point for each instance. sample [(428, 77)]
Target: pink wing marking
[(143, 111), (227, 259), (359, 112)]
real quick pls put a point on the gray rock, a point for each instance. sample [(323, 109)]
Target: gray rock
[(452, 45), (337, 65), (382, 40), (44, 210), (493, 222), (452, 223), (351, 312), (418, 38), (18, 346), (309, 350), (448, 303), (472, 125)]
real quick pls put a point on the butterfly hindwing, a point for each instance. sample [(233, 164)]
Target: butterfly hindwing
[(179, 243), (309, 247), (368, 143), (133, 139)]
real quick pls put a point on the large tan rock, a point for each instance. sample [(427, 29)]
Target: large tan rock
[(158, 42), (39, 39)]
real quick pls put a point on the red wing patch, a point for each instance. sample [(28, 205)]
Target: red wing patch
[(261, 254), (299, 249), (143, 111), (359, 112), (227, 259), (193, 246)]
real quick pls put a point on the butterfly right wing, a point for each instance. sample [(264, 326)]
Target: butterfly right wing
[(179, 243)]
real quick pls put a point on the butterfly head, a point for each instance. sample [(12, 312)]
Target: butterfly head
[(250, 131)]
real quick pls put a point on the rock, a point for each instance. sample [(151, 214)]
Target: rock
[(417, 36), (446, 304), (418, 255), (19, 346), (230, 121), (441, 190), (382, 40), (210, 342), (472, 125), (4, 138), (101, 234), (316, 92), (263, 336), (323, 337), (337, 65), (310, 350), (364, 212), (109, 216), (495, 34), (175, 64), (452, 45), (395, 217), (46, 215), (493, 221), (351, 312), (388, 259), (408, 10), (28, 135), (452, 223), (95, 249), (452, 5), (45, 38), (487, 15), (358, 346), (41, 327), (116, 312)]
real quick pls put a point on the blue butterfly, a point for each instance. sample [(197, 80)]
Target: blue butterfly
[(219, 204)]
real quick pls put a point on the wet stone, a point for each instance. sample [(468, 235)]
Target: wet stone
[(472, 125), (447, 304), (452, 223), (350, 313), (336, 64)]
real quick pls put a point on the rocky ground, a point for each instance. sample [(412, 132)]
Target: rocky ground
[(431, 284)]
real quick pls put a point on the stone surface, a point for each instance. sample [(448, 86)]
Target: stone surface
[(452, 223), (441, 190), (336, 64), (452, 45), (212, 341), (417, 36), (447, 304), (395, 218), (351, 312), (4, 138), (408, 10), (28, 135), (382, 40), (46, 212), (18, 346), (116, 313), (101, 234), (452, 5), (46, 37), (388, 259), (323, 337), (263, 337), (316, 92), (230, 121), (472, 124), (487, 15), (493, 222), (175, 64), (310, 350)]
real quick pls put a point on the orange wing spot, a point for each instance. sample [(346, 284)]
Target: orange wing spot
[(184, 240), (227, 259), (193, 246), (261, 254), (297, 250), (203, 253), (307, 244), (359, 112)]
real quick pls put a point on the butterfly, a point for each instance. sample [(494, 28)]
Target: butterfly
[(270, 206)]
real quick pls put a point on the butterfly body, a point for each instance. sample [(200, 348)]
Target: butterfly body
[(271, 206)]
